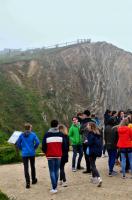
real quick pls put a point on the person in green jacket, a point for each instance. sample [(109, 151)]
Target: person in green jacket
[(76, 141)]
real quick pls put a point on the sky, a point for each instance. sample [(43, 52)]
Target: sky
[(37, 23)]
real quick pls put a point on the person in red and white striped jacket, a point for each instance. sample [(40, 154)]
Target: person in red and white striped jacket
[(52, 146)]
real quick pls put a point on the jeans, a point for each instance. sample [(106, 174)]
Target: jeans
[(62, 172), (77, 149), (26, 168), (123, 161), (54, 165), (112, 153), (94, 170)]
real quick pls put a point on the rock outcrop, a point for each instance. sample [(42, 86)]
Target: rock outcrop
[(70, 79)]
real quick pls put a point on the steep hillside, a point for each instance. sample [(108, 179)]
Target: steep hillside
[(60, 82)]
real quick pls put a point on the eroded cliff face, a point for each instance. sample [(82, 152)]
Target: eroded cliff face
[(67, 80)]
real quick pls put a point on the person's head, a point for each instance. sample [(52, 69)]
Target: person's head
[(93, 115), (121, 114), (54, 123), (91, 126), (80, 115), (63, 129), (75, 120), (114, 113), (28, 126), (108, 112), (87, 113)]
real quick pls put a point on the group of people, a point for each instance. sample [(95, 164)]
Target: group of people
[(118, 140), (86, 136)]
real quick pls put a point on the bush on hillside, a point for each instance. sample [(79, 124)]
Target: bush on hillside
[(3, 196), (9, 154)]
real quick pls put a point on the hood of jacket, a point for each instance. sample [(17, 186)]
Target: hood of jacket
[(26, 133), (54, 130)]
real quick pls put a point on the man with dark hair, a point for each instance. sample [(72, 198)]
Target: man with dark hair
[(52, 145), (28, 143), (84, 132), (87, 113), (107, 116), (54, 123)]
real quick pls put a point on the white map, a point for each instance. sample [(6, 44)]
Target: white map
[(14, 137)]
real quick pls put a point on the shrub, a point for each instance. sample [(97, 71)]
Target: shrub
[(9, 154), (3, 196)]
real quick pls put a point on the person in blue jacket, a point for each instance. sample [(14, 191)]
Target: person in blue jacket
[(28, 142)]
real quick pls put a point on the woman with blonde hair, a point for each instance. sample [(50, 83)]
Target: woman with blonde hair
[(64, 159), (94, 150)]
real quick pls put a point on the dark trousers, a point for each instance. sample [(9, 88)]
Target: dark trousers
[(94, 170), (26, 168), (112, 153), (77, 149), (88, 168), (62, 171), (104, 149)]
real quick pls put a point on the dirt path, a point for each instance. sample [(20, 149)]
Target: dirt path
[(79, 186)]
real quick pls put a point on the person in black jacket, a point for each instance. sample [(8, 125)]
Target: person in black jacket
[(111, 138), (94, 150), (84, 132), (64, 158), (107, 116)]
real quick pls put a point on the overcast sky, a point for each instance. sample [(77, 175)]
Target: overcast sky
[(38, 23)]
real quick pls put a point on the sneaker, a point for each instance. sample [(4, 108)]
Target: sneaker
[(123, 177), (94, 180), (64, 184), (110, 174), (114, 173), (53, 191), (74, 170), (27, 185), (34, 181), (60, 182), (99, 182)]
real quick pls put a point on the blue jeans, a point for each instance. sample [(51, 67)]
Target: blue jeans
[(77, 149), (123, 161), (54, 165), (112, 153)]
